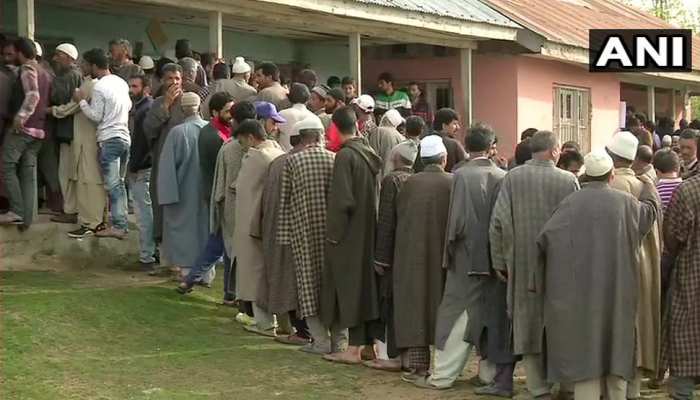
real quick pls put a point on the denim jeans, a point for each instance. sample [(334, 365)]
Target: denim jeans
[(139, 183), (19, 158), (213, 251), (114, 155)]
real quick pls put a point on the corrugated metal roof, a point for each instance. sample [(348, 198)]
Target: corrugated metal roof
[(467, 10), (568, 21)]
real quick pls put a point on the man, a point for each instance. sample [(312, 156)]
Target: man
[(623, 149), (335, 100), (308, 78), (121, 63), (317, 104), (589, 304), (419, 105), (109, 109), (28, 102), (446, 125), (223, 199), (148, 66), (349, 88), (277, 293), (270, 119), (220, 80), (571, 161), (681, 347), (185, 211), (68, 78), (211, 138), (421, 216), (688, 144), (270, 89), (183, 49), (139, 174), (302, 226), (165, 114), (528, 196), (349, 295), (298, 95), (7, 79), (402, 159), (240, 89), (385, 137), (389, 98), (247, 234), (642, 164), (473, 307), (189, 76), (414, 130), (85, 175), (364, 111), (667, 165)]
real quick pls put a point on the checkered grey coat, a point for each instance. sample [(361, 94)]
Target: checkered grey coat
[(302, 220), (681, 344), (528, 197)]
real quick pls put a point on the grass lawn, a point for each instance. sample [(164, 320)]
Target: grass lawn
[(104, 333)]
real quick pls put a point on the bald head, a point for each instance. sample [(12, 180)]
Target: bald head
[(645, 154)]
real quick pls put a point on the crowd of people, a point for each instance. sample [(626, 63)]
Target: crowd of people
[(388, 244)]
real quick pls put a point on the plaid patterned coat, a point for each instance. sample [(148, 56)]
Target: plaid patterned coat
[(681, 344), (528, 197), (302, 220)]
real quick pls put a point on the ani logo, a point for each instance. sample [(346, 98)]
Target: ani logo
[(640, 50)]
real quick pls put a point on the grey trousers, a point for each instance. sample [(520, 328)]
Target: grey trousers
[(19, 159), (616, 388)]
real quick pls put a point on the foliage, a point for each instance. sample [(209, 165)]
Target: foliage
[(675, 12)]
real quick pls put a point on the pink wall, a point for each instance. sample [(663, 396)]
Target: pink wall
[(536, 79), (495, 91), (637, 96)]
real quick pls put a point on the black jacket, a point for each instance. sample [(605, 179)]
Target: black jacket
[(140, 152)]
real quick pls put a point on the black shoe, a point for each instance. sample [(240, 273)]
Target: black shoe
[(81, 233), (148, 267)]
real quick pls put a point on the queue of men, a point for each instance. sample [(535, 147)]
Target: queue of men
[(390, 245)]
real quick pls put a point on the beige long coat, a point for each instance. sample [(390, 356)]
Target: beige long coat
[(649, 305), (247, 232)]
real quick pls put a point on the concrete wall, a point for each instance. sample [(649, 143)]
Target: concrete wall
[(495, 97), (536, 79), (90, 29), (637, 96)]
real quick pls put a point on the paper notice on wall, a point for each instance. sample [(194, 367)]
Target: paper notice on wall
[(623, 114)]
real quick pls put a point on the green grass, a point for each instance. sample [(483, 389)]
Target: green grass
[(83, 334)]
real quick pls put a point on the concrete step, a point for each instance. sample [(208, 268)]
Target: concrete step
[(46, 238)]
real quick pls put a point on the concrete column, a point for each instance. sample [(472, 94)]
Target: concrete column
[(355, 58), (651, 103), (465, 74), (216, 33), (25, 18), (686, 104), (673, 107)]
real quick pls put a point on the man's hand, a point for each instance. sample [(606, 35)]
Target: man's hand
[(171, 95), (78, 95), (379, 269), (502, 276), (17, 125), (49, 111), (502, 162)]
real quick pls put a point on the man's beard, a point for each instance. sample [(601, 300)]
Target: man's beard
[(136, 99)]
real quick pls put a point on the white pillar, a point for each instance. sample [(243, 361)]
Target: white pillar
[(216, 33), (651, 103), (25, 18), (465, 74), (355, 58)]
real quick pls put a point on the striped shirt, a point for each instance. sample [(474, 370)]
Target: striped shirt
[(666, 187)]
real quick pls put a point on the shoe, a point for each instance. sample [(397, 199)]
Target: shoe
[(183, 288), (10, 218), (65, 218), (424, 383), (148, 267), (244, 319), (293, 340), (492, 390), (111, 232), (384, 365), (476, 381), (81, 233), (411, 377)]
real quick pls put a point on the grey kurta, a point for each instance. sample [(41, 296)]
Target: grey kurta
[(223, 194), (589, 250), (421, 215), (247, 231), (277, 290), (156, 126), (185, 212), (302, 223), (349, 287), (529, 195), (470, 282), (382, 139)]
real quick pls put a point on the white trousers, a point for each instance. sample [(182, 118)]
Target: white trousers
[(616, 388), (327, 340), (535, 375), (449, 363)]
